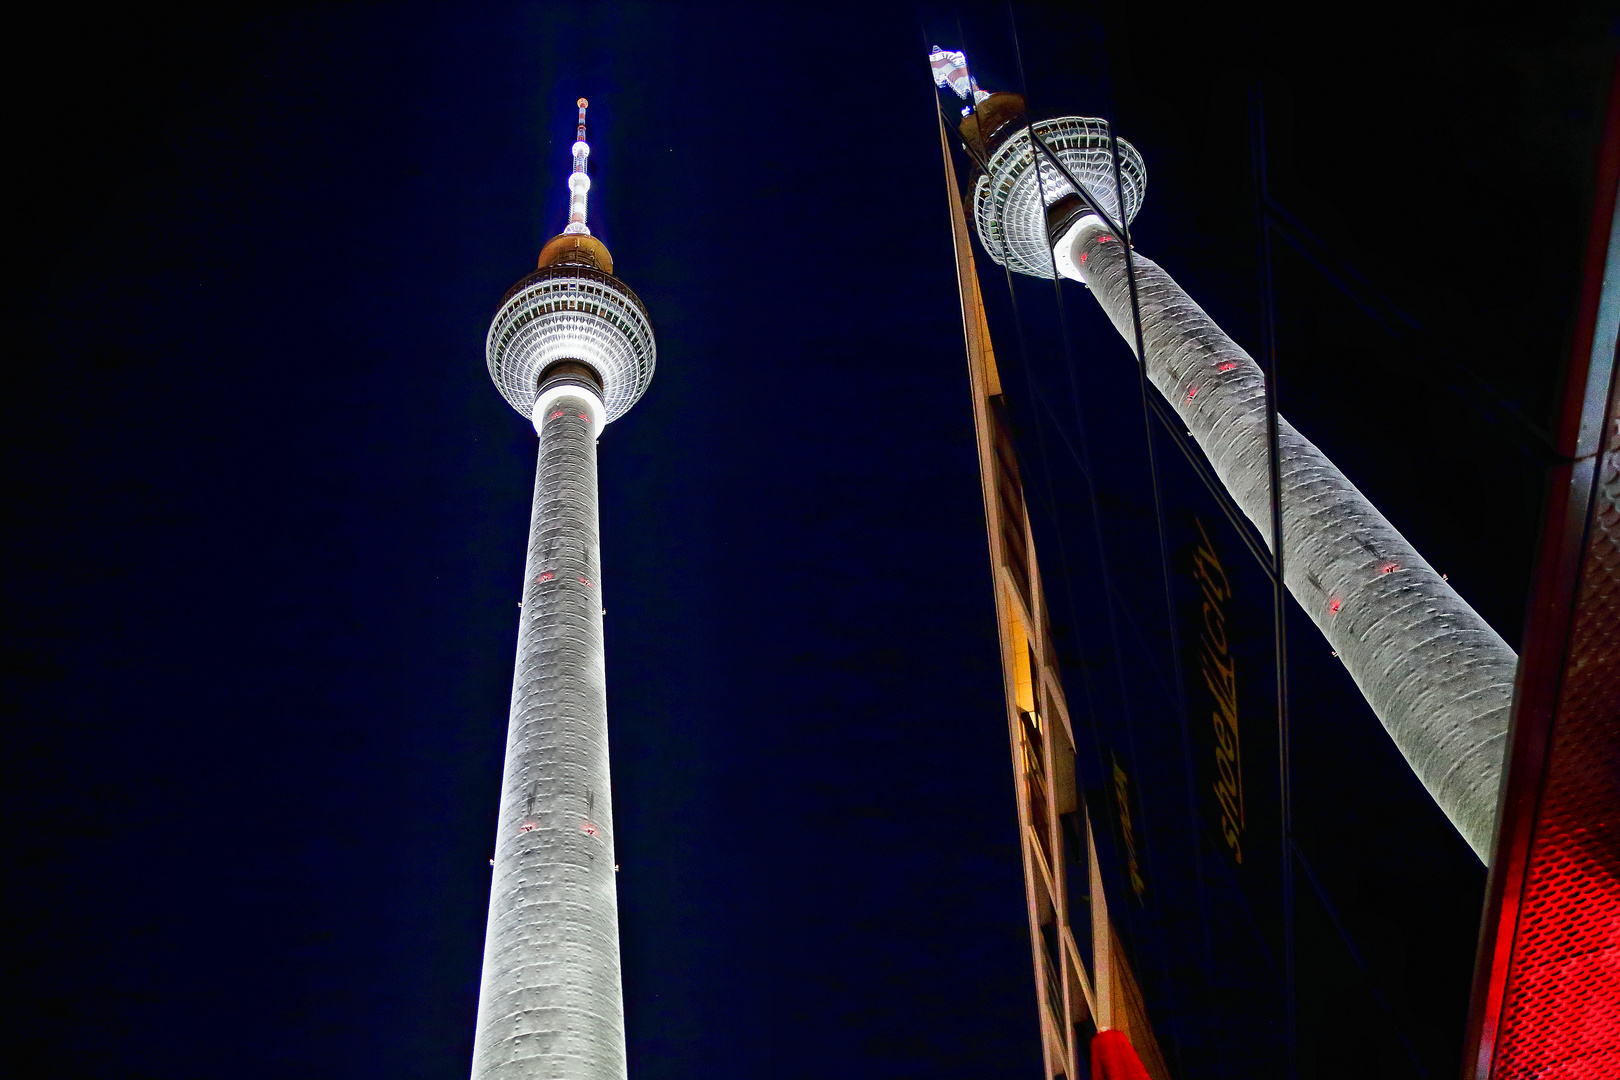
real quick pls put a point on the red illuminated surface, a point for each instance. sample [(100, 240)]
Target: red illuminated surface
[(557, 415), (582, 416), (1563, 1010), (1192, 393), (547, 576), (1547, 990), (589, 829), (527, 826), (1083, 258), (1334, 605), (1388, 568), (585, 583), (1114, 1058), (1227, 365), (1561, 1006)]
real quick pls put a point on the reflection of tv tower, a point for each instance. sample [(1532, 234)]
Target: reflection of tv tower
[(571, 348), (1438, 677)]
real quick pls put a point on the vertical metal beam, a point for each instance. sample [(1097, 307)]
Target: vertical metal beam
[(1279, 591), (1024, 639), (1101, 966)]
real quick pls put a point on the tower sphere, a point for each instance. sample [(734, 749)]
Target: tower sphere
[(1010, 202), (572, 310)]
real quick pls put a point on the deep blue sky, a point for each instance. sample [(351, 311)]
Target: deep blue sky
[(267, 512)]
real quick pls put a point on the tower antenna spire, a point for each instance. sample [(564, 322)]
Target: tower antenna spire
[(579, 181)]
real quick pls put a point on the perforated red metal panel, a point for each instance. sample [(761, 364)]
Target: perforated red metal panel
[(1561, 1019)]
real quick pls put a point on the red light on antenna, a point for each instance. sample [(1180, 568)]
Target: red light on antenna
[(1192, 393), (1334, 605), (1388, 568), (585, 582), (527, 826), (557, 415), (1227, 365), (589, 829), (585, 418), (1082, 258), (1104, 238), (547, 576)]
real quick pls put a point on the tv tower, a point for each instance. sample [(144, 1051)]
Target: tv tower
[(572, 349), (1435, 673)]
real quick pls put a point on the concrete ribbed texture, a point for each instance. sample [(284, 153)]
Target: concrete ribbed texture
[(1438, 677), (551, 1007)]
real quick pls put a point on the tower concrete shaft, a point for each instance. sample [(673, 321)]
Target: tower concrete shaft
[(1436, 674), (550, 1004)]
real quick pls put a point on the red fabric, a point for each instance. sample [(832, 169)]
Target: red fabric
[(1113, 1057)]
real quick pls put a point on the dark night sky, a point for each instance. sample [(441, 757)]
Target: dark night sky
[(267, 518)]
